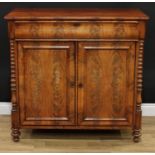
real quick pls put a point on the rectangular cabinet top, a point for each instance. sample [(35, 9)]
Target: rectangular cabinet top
[(76, 14)]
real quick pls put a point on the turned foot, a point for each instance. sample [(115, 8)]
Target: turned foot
[(15, 135), (136, 135)]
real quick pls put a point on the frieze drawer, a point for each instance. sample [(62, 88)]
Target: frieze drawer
[(77, 30)]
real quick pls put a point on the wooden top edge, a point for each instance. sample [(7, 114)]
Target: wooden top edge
[(75, 14)]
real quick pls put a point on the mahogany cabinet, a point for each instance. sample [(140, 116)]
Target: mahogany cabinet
[(76, 68)]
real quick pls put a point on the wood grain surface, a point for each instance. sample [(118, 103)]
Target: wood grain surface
[(105, 71), (46, 72)]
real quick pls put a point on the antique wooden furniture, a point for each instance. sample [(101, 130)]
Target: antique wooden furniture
[(76, 68)]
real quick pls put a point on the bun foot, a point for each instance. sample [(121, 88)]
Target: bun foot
[(15, 135), (136, 136)]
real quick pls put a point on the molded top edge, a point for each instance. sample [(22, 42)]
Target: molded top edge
[(76, 14)]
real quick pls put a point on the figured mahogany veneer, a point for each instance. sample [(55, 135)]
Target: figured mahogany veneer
[(76, 68)]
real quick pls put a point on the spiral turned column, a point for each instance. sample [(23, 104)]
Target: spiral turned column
[(15, 129), (138, 115)]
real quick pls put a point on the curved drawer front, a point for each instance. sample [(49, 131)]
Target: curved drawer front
[(77, 30)]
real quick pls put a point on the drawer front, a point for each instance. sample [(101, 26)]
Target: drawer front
[(76, 30)]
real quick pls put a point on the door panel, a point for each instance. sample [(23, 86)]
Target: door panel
[(46, 76), (106, 83)]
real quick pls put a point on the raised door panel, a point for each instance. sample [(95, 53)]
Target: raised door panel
[(46, 78), (106, 83)]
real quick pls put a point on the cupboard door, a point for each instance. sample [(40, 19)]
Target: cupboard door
[(106, 83), (46, 83)]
